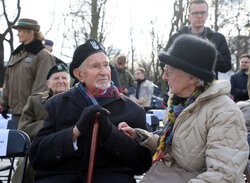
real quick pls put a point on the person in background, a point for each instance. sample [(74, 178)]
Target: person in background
[(144, 89), (49, 46), (245, 108), (27, 68), (248, 82), (34, 112), (125, 77), (198, 14), (204, 138), (67, 132), (239, 80)]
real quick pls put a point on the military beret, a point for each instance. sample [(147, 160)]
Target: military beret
[(90, 47), (57, 68), (48, 42)]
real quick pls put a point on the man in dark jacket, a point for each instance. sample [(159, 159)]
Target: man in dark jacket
[(60, 152), (239, 80), (198, 13)]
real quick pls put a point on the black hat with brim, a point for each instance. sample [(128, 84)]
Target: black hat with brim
[(192, 55)]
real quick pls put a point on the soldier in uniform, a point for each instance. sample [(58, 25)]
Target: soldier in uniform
[(27, 69), (125, 77), (31, 120)]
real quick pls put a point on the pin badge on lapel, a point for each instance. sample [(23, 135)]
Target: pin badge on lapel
[(28, 59)]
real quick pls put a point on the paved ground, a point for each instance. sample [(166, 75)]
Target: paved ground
[(5, 162)]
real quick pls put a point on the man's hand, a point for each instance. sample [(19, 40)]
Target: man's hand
[(84, 124), (4, 113)]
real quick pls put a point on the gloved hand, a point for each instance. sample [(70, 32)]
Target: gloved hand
[(104, 129), (4, 113), (86, 120)]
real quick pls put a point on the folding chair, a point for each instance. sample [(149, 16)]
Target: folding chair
[(246, 172), (8, 124), (17, 145), (152, 122)]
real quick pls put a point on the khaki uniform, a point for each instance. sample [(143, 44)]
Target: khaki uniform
[(125, 77), (31, 122), (25, 75)]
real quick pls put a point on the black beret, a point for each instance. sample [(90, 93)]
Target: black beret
[(90, 47), (57, 68)]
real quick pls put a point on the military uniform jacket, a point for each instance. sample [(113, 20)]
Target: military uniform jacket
[(26, 75), (31, 122), (125, 77), (52, 149), (34, 112)]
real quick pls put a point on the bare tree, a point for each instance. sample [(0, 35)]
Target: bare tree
[(7, 33), (179, 17), (86, 20), (232, 18), (154, 65), (132, 49)]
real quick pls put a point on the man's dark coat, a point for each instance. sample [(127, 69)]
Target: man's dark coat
[(52, 151)]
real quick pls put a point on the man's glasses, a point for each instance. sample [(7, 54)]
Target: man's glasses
[(197, 13), (244, 62)]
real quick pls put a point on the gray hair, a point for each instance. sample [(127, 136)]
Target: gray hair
[(198, 83), (82, 66)]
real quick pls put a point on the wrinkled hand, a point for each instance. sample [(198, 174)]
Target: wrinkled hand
[(130, 132), (86, 120), (4, 113)]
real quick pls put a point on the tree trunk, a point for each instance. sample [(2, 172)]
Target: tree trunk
[(216, 15), (94, 20), (1, 64)]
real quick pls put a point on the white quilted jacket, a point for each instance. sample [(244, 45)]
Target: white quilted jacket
[(209, 142)]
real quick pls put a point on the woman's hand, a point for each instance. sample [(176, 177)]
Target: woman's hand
[(130, 132)]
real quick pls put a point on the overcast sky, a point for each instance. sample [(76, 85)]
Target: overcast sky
[(123, 15)]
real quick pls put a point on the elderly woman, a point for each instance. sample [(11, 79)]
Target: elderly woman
[(204, 138)]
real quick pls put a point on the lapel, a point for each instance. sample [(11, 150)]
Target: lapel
[(76, 97), (17, 57)]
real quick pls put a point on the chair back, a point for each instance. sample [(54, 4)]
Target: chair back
[(17, 145), (8, 124)]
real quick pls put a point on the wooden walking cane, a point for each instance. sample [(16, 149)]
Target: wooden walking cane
[(93, 148)]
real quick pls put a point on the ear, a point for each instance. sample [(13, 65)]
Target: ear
[(79, 74), (189, 16), (48, 83), (193, 80)]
